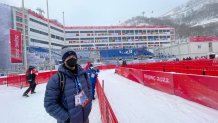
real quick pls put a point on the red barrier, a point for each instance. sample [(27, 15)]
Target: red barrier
[(128, 74), (43, 77), (190, 67), (132, 74), (106, 67), (124, 72), (201, 89), (23, 81), (137, 75), (159, 80), (14, 80), (118, 71), (107, 114), (211, 72), (197, 88), (20, 80), (3, 80)]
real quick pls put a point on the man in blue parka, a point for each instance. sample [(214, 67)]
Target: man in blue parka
[(74, 103), (93, 74)]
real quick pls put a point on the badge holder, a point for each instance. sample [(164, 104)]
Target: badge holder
[(92, 75), (81, 99)]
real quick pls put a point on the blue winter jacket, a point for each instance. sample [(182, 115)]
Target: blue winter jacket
[(62, 106), (93, 74)]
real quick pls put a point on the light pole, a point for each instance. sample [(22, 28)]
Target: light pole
[(143, 14), (49, 37), (24, 38), (64, 30)]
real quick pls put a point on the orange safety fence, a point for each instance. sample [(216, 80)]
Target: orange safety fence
[(107, 114)]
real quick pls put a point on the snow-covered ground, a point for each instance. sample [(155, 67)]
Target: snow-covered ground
[(17, 109), (131, 102), (135, 103)]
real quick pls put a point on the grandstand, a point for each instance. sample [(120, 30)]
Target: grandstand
[(124, 53), (40, 56)]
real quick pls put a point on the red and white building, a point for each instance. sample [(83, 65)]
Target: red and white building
[(91, 37), (109, 37), (79, 37)]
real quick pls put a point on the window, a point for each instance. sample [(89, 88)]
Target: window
[(70, 39), (19, 29), (86, 45), (19, 19), (52, 36), (41, 23), (38, 41), (54, 44), (101, 45), (75, 46), (57, 37), (199, 46), (44, 42), (39, 32), (59, 30), (72, 32)]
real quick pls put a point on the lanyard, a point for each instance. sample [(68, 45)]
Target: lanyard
[(78, 85)]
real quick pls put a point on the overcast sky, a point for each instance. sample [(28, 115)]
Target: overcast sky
[(99, 12)]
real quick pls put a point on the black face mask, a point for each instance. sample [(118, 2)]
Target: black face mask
[(71, 62)]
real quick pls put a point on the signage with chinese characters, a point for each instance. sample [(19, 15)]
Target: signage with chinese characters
[(16, 46)]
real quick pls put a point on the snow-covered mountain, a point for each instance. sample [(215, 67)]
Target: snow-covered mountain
[(195, 18), (195, 12)]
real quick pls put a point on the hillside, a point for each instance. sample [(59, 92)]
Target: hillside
[(196, 17)]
